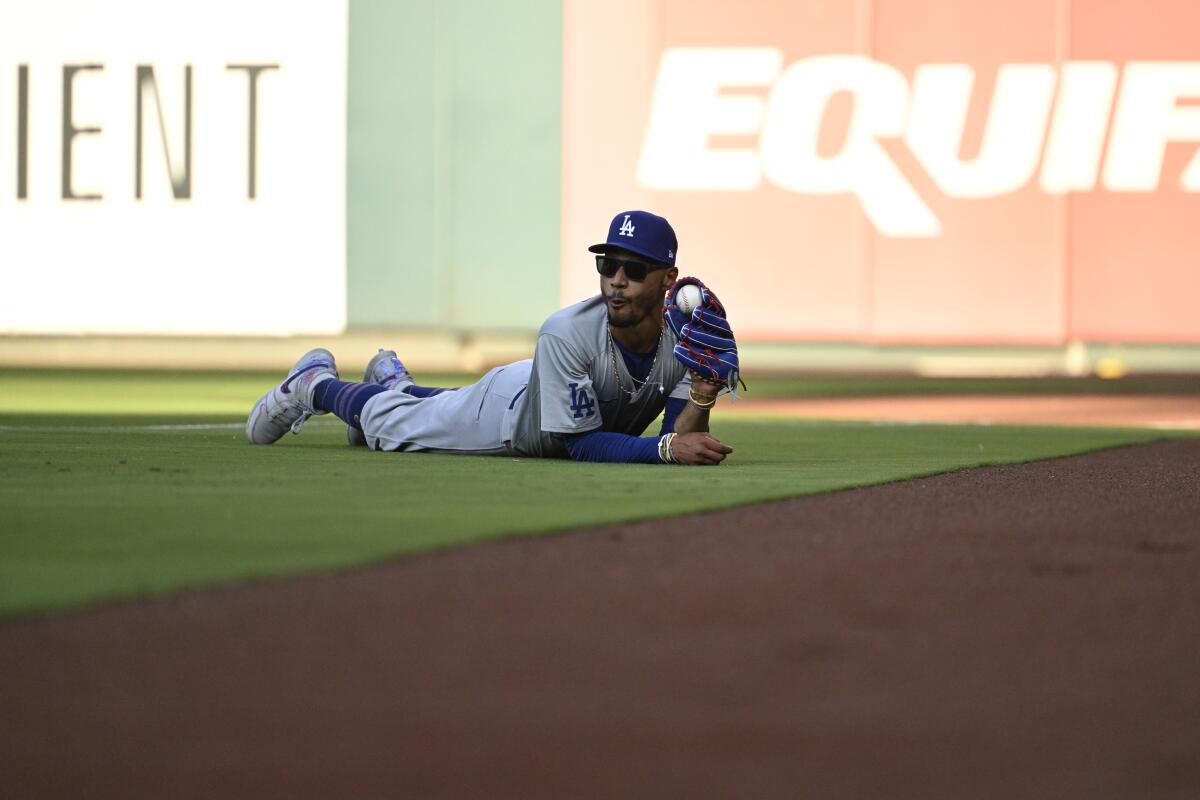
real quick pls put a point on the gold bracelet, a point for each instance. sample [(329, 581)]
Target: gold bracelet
[(701, 400)]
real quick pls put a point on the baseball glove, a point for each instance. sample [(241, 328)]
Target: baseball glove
[(704, 342)]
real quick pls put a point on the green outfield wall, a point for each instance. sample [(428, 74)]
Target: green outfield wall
[(453, 163)]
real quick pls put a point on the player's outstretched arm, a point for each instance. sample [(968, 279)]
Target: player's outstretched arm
[(693, 449)]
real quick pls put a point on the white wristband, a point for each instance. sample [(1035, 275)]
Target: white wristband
[(664, 449)]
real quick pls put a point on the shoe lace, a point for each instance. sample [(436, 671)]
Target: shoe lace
[(299, 423)]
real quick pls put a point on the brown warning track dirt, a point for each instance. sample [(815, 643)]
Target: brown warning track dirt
[(1011, 632), (1181, 412)]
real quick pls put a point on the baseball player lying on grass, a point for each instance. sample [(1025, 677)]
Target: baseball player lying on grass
[(602, 371)]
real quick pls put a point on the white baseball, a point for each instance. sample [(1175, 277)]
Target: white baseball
[(687, 298)]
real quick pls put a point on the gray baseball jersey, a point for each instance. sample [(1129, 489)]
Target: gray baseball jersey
[(579, 383)]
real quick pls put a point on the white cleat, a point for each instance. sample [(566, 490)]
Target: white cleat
[(384, 369), (289, 405)]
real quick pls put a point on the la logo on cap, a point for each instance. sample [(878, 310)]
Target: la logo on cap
[(642, 233)]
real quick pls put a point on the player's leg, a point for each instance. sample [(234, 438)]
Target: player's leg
[(346, 401), (387, 370), (472, 419), (287, 406)]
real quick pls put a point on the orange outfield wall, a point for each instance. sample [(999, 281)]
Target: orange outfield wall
[(899, 171)]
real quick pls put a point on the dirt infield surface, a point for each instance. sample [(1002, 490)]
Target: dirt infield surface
[(1007, 632), (1180, 412)]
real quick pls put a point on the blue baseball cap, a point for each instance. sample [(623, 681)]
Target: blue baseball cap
[(643, 233)]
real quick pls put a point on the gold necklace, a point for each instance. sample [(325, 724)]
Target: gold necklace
[(612, 352)]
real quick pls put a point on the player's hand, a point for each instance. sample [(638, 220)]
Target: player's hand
[(699, 449)]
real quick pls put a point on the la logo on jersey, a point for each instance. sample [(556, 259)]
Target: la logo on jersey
[(626, 228), (581, 403)]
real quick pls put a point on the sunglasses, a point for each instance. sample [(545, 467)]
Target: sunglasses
[(634, 270)]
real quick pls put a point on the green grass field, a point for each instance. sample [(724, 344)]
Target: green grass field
[(123, 484)]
